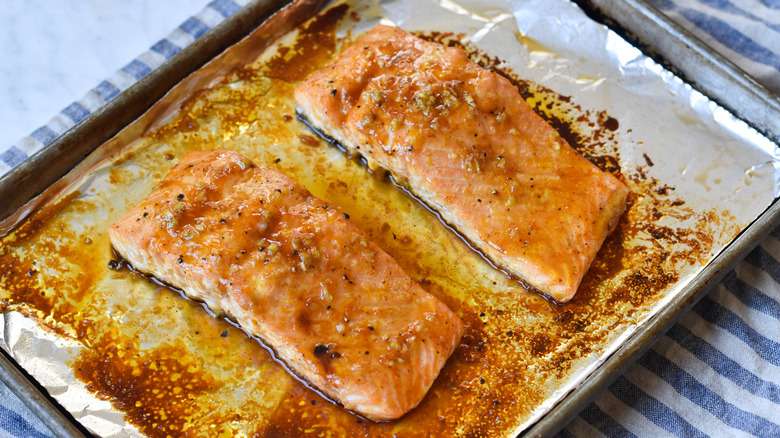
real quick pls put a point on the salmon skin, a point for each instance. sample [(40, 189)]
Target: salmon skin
[(462, 139), (254, 245)]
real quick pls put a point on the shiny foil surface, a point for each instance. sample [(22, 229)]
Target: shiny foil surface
[(129, 356)]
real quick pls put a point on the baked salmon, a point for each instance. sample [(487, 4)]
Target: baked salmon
[(295, 272), (462, 139)]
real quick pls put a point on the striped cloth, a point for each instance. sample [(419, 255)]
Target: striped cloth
[(747, 32), (16, 420), (715, 373)]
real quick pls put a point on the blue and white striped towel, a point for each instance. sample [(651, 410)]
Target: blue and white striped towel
[(747, 32), (715, 373)]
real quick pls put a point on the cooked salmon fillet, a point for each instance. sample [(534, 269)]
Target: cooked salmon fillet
[(253, 244), (463, 140)]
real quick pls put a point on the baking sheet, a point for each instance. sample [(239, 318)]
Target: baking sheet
[(641, 23), (699, 177)]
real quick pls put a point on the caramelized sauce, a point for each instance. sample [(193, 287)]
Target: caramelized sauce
[(314, 45), (155, 388), (174, 369)]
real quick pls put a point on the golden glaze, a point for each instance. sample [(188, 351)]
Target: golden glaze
[(289, 268), (460, 137), (518, 348)]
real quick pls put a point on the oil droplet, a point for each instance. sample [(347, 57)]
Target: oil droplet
[(534, 46)]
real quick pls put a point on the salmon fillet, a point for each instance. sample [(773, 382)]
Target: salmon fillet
[(463, 140), (254, 245)]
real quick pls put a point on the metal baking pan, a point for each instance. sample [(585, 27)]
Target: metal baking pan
[(36, 179), (681, 52)]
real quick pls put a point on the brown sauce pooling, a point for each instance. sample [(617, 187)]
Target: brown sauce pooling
[(154, 388), (175, 370), (314, 45)]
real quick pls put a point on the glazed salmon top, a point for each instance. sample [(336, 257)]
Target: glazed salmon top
[(294, 271), (462, 139)]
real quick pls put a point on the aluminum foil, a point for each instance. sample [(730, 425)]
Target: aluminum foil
[(670, 137), (45, 356)]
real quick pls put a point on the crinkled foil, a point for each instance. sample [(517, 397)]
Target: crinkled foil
[(690, 164)]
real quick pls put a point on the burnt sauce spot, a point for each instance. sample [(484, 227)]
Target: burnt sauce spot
[(155, 389), (540, 344), (320, 350), (315, 44)]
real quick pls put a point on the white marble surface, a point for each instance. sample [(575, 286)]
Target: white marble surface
[(52, 52)]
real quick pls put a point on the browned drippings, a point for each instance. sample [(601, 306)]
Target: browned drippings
[(176, 370), (314, 45), (154, 388)]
